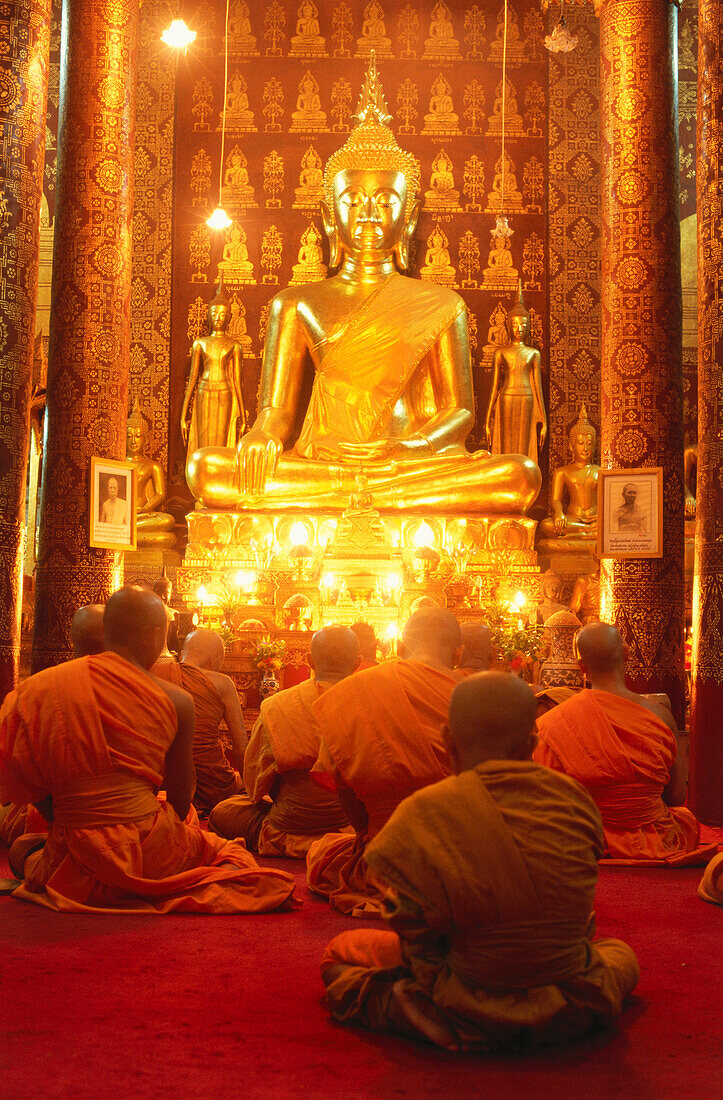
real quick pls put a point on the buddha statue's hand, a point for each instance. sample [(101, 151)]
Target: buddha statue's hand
[(560, 524), (689, 503), (184, 432), (366, 452), (256, 458)]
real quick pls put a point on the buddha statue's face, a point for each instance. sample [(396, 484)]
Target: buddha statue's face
[(582, 445), (370, 211), (518, 328), (135, 438), (217, 316)]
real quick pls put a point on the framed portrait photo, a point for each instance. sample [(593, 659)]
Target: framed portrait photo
[(630, 513), (112, 519)]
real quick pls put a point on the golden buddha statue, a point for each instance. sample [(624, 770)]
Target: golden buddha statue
[(437, 261), (511, 201), (308, 40), (374, 33), (214, 385), (239, 116), (310, 191), (308, 116), (516, 405), (235, 267), (442, 196), (441, 118), (500, 274), (310, 267), (237, 189), (441, 44), (514, 125), (574, 490), (690, 478), (154, 529), (392, 377)]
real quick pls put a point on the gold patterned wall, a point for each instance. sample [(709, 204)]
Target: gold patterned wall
[(295, 70)]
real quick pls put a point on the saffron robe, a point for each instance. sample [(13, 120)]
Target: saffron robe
[(622, 754), (216, 779), (381, 739), (282, 750), (711, 885), (490, 880), (93, 734)]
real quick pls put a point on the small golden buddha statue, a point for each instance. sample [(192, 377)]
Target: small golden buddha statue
[(392, 391), (308, 40), (237, 328), (310, 191), (514, 125), (442, 196), (441, 118), (310, 267), (239, 116), (154, 529), (497, 333), (441, 44), (500, 273), (308, 116), (511, 201), (374, 33), (516, 405), (573, 495), (437, 261), (218, 416), (237, 189), (235, 267)]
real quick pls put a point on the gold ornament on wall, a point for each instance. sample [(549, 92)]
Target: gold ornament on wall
[(235, 267), (202, 103), (308, 118), (310, 267), (512, 197), (241, 42), (473, 102), (273, 178), (469, 260), (274, 33), (199, 253), (341, 28), (515, 47), (473, 182), (441, 45), (408, 29), (200, 177), (273, 105), (513, 119), (407, 101), (441, 121), (271, 249), (308, 41), (474, 29), (310, 191), (340, 105), (374, 33), (239, 116), (237, 190), (442, 196), (437, 266)]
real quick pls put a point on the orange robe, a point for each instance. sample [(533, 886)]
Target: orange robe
[(283, 748), (93, 734), (623, 755), (215, 778), (490, 880), (380, 739), (711, 885)]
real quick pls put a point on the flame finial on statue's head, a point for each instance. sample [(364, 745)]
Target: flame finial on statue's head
[(519, 309), (582, 424), (371, 143), (136, 419), (220, 297)]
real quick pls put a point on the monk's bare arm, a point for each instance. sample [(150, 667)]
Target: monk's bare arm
[(676, 789), (232, 714), (179, 773)]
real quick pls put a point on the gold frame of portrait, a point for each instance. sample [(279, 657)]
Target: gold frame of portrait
[(649, 544), (126, 471)]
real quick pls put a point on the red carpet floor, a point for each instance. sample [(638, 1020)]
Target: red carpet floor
[(136, 1007)]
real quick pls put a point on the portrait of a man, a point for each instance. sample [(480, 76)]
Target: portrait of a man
[(114, 508), (112, 504), (629, 516)]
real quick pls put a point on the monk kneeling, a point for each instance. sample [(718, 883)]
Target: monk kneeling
[(622, 748), (490, 881), (214, 699), (380, 742), (88, 742), (285, 811)]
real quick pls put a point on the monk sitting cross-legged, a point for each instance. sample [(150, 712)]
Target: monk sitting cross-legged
[(89, 741), (380, 742), (490, 881), (215, 699), (285, 812), (622, 748)]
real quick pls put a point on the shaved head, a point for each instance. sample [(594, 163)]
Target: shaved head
[(204, 648), (134, 623), (477, 648), (86, 630), (334, 652), (600, 648), (367, 640), (432, 635), (491, 717)]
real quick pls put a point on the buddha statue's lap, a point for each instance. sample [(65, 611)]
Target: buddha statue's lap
[(392, 387)]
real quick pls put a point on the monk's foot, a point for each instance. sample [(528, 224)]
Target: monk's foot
[(23, 847), (418, 1013)]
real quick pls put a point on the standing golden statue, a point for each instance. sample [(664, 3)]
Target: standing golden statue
[(574, 488), (392, 377), (516, 405), (154, 529), (218, 417)]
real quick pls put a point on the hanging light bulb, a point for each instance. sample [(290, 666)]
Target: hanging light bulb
[(178, 36), (561, 40), (219, 219)]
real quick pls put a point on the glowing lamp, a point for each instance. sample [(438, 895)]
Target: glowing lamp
[(245, 580), (392, 631), (393, 581), (328, 581), (520, 599), (423, 536), (298, 535), (178, 36), (201, 594), (219, 219)]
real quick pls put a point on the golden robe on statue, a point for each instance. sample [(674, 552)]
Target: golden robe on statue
[(490, 880)]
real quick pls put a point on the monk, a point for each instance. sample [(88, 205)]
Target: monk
[(285, 811), (622, 747), (711, 885), (215, 699), (368, 643), (380, 741), (490, 882), (478, 650), (86, 635), (88, 741)]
